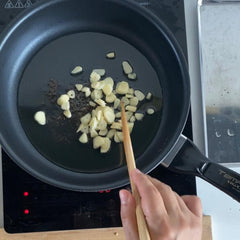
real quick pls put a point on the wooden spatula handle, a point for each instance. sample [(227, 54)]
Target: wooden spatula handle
[(141, 222)]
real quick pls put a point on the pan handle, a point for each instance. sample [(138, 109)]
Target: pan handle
[(191, 161)]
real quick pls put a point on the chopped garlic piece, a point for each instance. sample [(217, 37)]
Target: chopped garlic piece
[(101, 72), (83, 138), (79, 87), (106, 146), (86, 118), (150, 111), (127, 68), (98, 142), (77, 70), (110, 98), (139, 95), (116, 125), (139, 116), (149, 96), (100, 102), (111, 133), (62, 99), (103, 132), (67, 114), (71, 94), (117, 102), (94, 77), (92, 104), (109, 115), (132, 76), (122, 87), (131, 108), (111, 55), (134, 101), (40, 117), (65, 106)]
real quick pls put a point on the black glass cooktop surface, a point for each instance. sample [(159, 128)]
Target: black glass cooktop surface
[(31, 205)]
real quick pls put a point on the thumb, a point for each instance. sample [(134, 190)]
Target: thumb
[(128, 215)]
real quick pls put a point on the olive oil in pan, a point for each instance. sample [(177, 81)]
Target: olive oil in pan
[(47, 76)]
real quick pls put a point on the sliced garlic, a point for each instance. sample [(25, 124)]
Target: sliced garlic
[(116, 125), (93, 123), (150, 111), (130, 126), (111, 55), (125, 101), (127, 68), (131, 91), (109, 115), (111, 133), (132, 76), (65, 106), (110, 98), (86, 119), (107, 89), (131, 108), (92, 104), (129, 95), (87, 91), (93, 133), (98, 142), (116, 138), (103, 132), (100, 102), (140, 96), (94, 77), (40, 117), (96, 94), (120, 136), (128, 115), (134, 101), (77, 70), (102, 124), (83, 128), (67, 114), (149, 96), (101, 72), (132, 119), (116, 104), (106, 146), (62, 99), (71, 94), (122, 87), (118, 115), (139, 116), (79, 87), (83, 138)]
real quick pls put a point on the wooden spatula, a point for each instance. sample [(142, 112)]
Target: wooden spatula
[(142, 226)]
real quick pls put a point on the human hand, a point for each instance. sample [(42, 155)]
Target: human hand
[(168, 216)]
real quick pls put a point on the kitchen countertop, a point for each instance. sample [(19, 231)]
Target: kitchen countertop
[(103, 234)]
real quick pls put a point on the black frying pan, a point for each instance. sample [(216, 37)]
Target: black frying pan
[(37, 52)]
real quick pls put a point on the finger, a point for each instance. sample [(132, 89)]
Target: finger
[(128, 215), (168, 195), (151, 202), (194, 204)]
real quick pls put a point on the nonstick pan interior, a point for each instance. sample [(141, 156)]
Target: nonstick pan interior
[(47, 76), (44, 44)]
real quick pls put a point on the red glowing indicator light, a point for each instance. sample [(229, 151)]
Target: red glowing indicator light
[(26, 211), (101, 191), (25, 194), (108, 191)]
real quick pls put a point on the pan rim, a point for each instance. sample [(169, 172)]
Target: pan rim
[(154, 20)]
